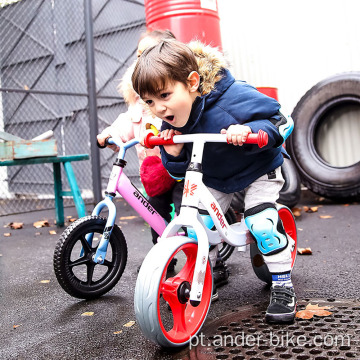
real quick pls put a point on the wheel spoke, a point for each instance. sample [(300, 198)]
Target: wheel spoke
[(180, 325), (108, 263), (187, 271), (85, 244), (90, 272), (81, 261)]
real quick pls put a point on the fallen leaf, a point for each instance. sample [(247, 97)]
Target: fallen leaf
[(72, 219), (37, 233), (52, 232), (326, 217), (16, 225), (89, 313), (304, 251), (16, 326), (310, 209), (296, 211), (129, 324), (312, 310), (44, 281), (117, 332), (7, 234), (127, 217), (300, 229), (26, 87), (40, 224), (346, 204)]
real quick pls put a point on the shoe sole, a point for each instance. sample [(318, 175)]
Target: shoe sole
[(287, 318)]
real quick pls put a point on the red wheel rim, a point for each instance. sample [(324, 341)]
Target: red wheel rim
[(288, 221), (186, 319)]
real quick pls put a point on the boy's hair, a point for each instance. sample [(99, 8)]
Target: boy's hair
[(170, 60)]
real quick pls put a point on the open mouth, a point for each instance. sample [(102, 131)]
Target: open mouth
[(169, 118)]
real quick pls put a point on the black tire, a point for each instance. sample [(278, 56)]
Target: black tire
[(336, 93), (291, 191), (225, 249), (69, 266)]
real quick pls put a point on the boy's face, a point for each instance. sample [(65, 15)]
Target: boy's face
[(173, 103)]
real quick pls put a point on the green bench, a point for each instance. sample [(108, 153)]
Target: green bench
[(59, 193)]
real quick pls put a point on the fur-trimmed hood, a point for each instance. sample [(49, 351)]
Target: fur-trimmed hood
[(210, 62), (125, 87)]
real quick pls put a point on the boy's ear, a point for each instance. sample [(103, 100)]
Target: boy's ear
[(193, 81)]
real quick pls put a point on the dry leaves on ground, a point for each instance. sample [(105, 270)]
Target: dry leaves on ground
[(15, 225), (304, 251), (129, 324), (311, 209), (88, 313), (41, 223), (296, 211), (127, 217), (326, 216), (7, 234), (312, 310), (52, 232)]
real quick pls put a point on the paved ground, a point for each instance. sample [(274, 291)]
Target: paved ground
[(38, 320)]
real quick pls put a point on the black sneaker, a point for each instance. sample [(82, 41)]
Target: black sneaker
[(282, 307), (220, 273), (215, 294), (172, 264)]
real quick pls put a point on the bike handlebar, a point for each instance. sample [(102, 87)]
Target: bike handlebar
[(150, 141)]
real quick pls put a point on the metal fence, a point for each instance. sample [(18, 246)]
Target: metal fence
[(44, 86)]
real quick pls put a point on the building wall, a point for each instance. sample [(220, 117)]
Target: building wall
[(290, 44)]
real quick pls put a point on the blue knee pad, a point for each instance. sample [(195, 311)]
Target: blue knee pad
[(264, 223)]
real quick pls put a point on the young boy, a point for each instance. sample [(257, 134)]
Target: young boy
[(192, 92)]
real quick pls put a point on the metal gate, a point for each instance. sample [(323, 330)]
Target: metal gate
[(43, 86)]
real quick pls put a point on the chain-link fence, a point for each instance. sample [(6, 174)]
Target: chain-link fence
[(43, 86)]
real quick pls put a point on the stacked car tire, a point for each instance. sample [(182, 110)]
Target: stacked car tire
[(321, 103)]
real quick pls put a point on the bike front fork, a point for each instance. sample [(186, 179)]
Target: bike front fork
[(100, 254)]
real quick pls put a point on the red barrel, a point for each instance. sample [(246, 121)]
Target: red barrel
[(269, 91), (187, 19)]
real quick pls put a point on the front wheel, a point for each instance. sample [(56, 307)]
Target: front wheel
[(162, 305), (74, 268), (260, 268)]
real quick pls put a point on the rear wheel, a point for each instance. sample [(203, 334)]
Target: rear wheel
[(162, 305), (260, 268)]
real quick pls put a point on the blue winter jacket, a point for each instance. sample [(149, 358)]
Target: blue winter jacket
[(226, 167)]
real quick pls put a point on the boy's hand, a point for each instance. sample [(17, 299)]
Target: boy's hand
[(175, 149), (236, 134), (101, 140)]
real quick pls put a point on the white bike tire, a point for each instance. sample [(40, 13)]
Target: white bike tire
[(147, 287)]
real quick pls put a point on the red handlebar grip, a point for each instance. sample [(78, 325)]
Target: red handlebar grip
[(151, 141), (261, 138)]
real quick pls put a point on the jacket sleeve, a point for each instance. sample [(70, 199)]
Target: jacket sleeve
[(122, 127), (278, 127), (176, 165), (261, 112)]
